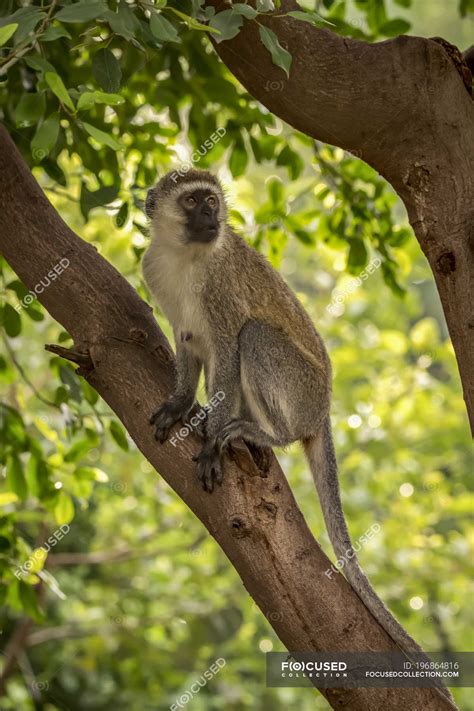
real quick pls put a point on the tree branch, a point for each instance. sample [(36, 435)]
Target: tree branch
[(117, 555), (254, 519), (14, 649), (402, 105)]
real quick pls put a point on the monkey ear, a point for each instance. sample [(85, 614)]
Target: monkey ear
[(150, 202)]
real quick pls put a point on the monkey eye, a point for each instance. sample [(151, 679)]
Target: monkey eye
[(190, 201), (211, 200)]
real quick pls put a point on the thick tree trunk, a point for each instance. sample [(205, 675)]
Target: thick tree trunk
[(255, 520), (401, 105)]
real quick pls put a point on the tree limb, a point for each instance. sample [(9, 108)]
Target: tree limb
[(14, 649), (254, 519), (402, 106)]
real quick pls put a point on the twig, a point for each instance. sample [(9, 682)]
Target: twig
[(29, 676), (13, 649), (83, 360), (72, 631), (17, 54), (119, 554), (20, 369)]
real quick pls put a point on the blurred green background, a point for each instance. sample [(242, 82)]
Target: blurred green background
[(136, 601)]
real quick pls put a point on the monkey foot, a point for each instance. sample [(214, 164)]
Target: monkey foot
[(166, 416), (209, 469)]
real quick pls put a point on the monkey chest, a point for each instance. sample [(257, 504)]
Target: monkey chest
[(178, 288), (186, 314)]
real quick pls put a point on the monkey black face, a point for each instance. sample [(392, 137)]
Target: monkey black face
[(201, 208)]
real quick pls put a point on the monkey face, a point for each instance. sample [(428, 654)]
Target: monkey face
[(201, 210), (187, 208)]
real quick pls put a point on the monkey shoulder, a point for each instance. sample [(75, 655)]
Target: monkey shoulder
[(269, 299)]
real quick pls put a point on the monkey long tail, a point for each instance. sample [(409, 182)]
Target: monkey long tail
[(322, 460)]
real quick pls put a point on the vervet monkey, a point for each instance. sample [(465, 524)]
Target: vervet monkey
[(233, 315)]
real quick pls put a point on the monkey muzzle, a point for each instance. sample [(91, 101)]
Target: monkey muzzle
[(203, 225)]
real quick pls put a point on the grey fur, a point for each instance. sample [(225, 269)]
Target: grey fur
[(256, 343)]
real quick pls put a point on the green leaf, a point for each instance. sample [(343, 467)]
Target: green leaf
[(78, 450), (26, 19), (53, 33), (376, 16), (19, 288), (89, 98), (280, 57), (6, 32), (465, 6), (93, 473), (265, 5), (106, 70), (56, 85), (29, 601), (101, 137), (118, 433), (192, 23), (246, 11), (11, 321), (15, 477), (34, 314), (311, 17), (30, 109), (45, 138), (265, 147), (123, 22), (5, 544), (71, 381), (391, 280), (393, 28), (162, 28), (63, 509), (305, 237), (275, 191), (238, 159), (81, 11), (122, 215), (292, 161), (12, 428), (228, 23), (55, 172), (357, 257), (39, 63), (89, 393), (96, 198)]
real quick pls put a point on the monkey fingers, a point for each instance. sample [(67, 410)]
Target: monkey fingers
[(166, 416), (209, 468)]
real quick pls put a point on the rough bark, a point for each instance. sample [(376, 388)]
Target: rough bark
[(402, 106), (128, 361)]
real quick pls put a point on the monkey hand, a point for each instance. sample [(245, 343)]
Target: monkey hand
[(209, 468), (166, 416)]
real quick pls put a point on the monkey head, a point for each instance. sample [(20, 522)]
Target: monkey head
[(191, 207)]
